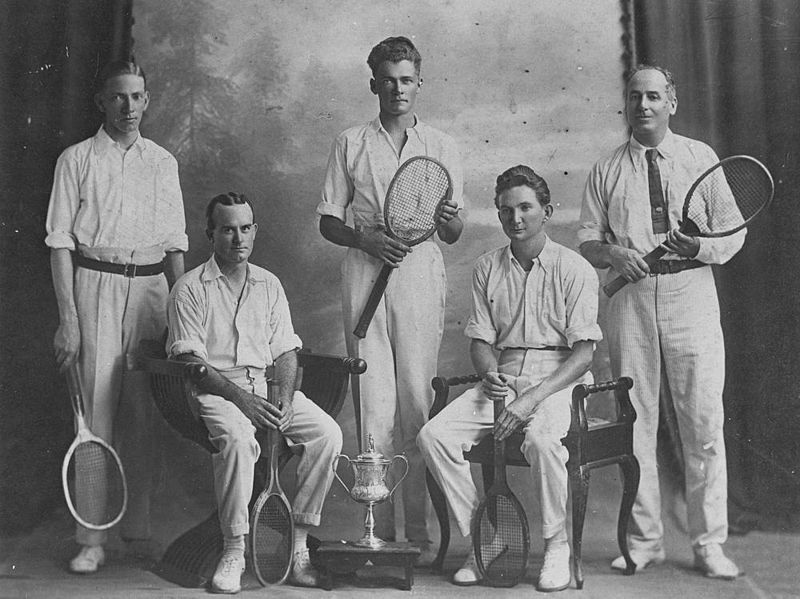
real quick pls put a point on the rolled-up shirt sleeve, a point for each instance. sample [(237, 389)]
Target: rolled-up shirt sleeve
[(283, 338), (580, 295), (338, 188), (480, 324), (594, 211), (64, 202), (176, 239), (187, 335)]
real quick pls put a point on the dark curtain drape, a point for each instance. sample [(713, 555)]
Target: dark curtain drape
[(50, 51), (736, 66)]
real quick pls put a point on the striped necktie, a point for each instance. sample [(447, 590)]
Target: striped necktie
[(658, 205)]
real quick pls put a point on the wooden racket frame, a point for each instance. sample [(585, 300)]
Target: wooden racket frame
[(379, 286), (499, 488), (688, 227), (274, 489), (84, 435)]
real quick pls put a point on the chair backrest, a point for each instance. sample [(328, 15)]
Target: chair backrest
[(322, 378)]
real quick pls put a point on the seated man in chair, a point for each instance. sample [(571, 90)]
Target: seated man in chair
[(535, 302), (233, 317)]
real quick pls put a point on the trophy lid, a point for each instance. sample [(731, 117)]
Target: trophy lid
[(371, 456)]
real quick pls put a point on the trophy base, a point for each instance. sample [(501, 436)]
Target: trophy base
[(340, 558), (370, 542)]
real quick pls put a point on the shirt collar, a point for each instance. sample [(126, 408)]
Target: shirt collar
[(376, 126), (636, 150), (103, 142), (546, 258), (211, 272)]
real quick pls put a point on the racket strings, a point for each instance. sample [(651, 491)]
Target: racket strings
[(413, 198), (503, 550), (272, 552), (97, 487), (729, 196)]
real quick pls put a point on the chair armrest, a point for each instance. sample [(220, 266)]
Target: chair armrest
[(441, 387), (324, 378), (620, 387)]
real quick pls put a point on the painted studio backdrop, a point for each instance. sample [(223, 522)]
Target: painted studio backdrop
[(249, 94)]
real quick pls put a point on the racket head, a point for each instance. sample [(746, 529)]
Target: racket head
[(94, 483), (416, 191), (501, 539), (727, 197), (271, 538)]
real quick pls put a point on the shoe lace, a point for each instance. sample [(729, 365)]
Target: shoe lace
[(230, 565)]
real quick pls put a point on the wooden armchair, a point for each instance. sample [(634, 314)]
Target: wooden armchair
[(591, 442), (191, 558)]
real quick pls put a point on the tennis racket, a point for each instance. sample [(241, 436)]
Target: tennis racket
[(418, 189), (723, 200), (500, 535), (271, 524), (91, 474)]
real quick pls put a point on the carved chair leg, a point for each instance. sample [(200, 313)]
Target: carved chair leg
[(440, 508), (629, 466), (579, 483)]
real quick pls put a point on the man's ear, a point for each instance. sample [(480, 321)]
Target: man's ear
[(98, 103), (548, 210), (373, 86), (673, 107)]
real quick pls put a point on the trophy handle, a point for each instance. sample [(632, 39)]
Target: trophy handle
[(335, 464), (397, 484)]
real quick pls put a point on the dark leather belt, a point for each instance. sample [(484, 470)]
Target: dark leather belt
[(670, 267), (128, 270)]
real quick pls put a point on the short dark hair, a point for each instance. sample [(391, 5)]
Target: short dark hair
[(394, 49), (672, 93), (115, 69), (224, 199), (522, 175)]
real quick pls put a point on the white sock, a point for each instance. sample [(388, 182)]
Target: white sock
[(560, 538), (300, 537), (233, 546)]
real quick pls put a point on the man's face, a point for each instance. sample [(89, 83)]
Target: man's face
[(123, 102), (521, 214), (396, 85), (233, 234), (648, 106)]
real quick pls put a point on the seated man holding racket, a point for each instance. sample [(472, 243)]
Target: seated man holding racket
[(665, 326), (533, 328), (233, 317), (402, 342)]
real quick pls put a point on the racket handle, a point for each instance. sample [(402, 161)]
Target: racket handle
[(372, 303), (611, 288)]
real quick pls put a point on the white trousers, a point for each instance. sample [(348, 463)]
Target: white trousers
[(470, 417), (401, 349), (115, 313), (664, 332), (312, 434)]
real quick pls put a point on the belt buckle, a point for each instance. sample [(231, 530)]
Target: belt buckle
[(129, 270)]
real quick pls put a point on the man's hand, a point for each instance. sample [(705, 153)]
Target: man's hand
[(495, 386), (287, 415), (628, 263), (378, 244), (513, 417), (446, 212), (682, 244), (259, 411), (67, 344)]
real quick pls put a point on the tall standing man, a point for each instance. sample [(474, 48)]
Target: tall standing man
[(115, 223), (402, 343), (663, 327)]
